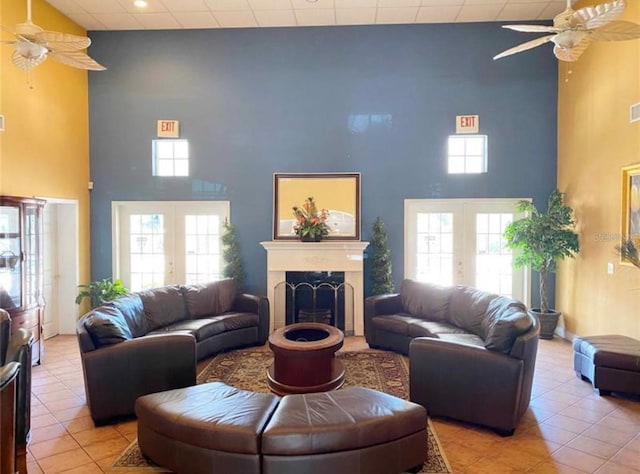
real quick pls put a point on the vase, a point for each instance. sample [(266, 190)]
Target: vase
[(310, 238)]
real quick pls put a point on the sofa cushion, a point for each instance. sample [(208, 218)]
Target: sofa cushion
[(133, 312), (395, 323), (423, 328), (463, 338), (204, 328), (163, 306), (106, 325), (425, 300), (506, 319), (209, 299), (468, 308)]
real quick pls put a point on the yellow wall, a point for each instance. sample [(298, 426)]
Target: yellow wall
[(44, 149), (595, 140)]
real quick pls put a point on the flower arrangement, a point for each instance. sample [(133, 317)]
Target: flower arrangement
[(629, 250), (310, 223)]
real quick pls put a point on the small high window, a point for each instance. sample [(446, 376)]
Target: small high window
[(170, 157), (467, 154)]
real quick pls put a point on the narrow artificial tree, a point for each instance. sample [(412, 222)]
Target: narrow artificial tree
[(233, 267), (543, 238), (380, 260)]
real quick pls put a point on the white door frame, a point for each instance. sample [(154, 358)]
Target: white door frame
[(118, 207), (68, 257)]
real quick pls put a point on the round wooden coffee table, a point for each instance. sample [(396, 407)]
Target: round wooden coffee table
[(303, 359)]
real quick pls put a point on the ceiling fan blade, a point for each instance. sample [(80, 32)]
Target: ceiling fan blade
[(532, 28), (525, 46), (77, 59), (598, 15), (571, 54), (616, 31), (62, 41), (26, 63), (7, 42)]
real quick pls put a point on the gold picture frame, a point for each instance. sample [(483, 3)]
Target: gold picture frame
[(339, 193), (631, 202)]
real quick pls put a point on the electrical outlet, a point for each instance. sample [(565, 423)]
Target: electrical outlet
[(610, 268)]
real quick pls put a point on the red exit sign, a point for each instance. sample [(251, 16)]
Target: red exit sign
[(168, 128), (467, 123)]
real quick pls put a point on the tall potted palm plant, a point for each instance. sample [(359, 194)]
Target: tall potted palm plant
[(543, 238)]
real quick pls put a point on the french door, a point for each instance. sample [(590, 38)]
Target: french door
[(459, 242), (163, 243)]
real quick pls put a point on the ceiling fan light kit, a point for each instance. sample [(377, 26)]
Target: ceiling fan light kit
[(573, 30), (33, 45)]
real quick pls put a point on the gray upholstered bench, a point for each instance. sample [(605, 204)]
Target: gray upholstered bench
[(217, 428), (611, 363)]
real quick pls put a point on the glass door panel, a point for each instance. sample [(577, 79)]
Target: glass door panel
[(434, 252), (10, 255), (147, 251), (31, 244), (202, 248), (493, 260)]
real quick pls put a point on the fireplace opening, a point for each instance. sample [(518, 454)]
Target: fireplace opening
[(315, 297)]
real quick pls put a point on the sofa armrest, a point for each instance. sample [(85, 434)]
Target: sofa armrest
[(20, 348), (466, 382), (376, 305), (116, 375), (246, 303)]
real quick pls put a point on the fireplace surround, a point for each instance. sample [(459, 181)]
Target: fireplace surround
[(327, 256)]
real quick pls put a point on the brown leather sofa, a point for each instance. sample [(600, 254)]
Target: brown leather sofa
[(217, 428), (150, 341), (472, 353)]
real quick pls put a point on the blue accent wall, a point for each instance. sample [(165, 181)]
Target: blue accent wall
[(253, 102)]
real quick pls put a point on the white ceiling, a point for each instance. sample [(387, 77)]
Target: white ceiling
[(174, 14)]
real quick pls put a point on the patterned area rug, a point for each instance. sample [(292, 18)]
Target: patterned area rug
[(245, 369)]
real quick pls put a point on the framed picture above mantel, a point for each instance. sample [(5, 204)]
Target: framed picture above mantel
[(338, 193)]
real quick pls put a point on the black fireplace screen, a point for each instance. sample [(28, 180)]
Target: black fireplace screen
[(315, 297)]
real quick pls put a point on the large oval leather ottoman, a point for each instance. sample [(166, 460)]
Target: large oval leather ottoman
[(208, 428), (611, 363), (349, 431)]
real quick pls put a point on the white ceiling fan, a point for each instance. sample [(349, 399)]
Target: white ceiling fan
[(33, 46), (573, 30)]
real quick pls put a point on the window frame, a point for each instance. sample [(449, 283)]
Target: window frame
[(156, 159), (466, 156)]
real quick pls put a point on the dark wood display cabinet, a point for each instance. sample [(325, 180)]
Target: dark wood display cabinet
[(21, 266)]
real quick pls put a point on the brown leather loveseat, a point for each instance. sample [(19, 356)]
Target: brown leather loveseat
[(472, 353), (150, 341)]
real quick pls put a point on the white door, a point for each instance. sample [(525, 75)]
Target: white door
[(61, 257), (459, 242), (163, 243)]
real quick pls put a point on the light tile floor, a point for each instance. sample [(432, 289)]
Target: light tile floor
[(567, 429)]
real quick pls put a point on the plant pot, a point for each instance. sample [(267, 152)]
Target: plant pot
[(548, 322), (310, 238)]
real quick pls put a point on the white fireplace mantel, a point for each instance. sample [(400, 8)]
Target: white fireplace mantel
[(328, 256)]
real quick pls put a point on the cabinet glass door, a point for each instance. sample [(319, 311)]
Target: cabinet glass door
[(10, 254), (31, 245)]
